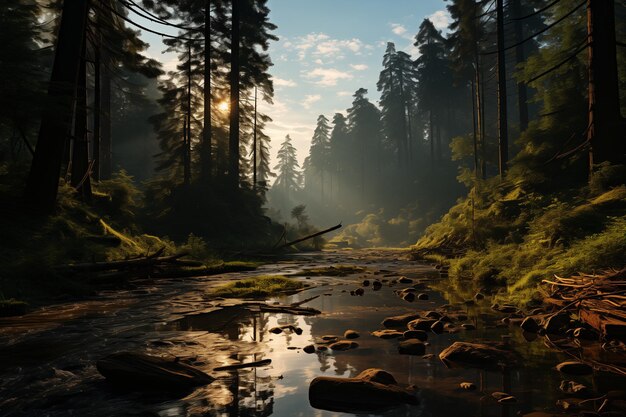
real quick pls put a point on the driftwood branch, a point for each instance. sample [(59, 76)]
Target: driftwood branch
[(314, 235)]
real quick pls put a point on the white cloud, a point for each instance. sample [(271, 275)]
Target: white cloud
[(280, 82), (321, 45), (440, 19), (328, 76), (359, 67), (398, 29), (344, 93), (310, 99)]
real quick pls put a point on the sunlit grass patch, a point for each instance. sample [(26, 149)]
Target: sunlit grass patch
[(258, 287), (331, 271)]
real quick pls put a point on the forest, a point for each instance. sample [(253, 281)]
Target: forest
[(487, 167)]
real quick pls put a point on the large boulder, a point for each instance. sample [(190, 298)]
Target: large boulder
[(371, 390), (476, 355), (141, 372)]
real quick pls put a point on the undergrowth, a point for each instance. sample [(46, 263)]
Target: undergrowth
[(512, 236)]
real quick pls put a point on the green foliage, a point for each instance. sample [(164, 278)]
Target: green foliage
[(258, 287), (572, 232)]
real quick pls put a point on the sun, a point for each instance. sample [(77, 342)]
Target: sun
[(223, 106)]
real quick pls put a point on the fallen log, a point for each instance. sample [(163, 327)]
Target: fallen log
[(314, 235), (121, 264)]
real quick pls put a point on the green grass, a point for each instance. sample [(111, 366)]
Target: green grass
[(258, 287), (518, 238)]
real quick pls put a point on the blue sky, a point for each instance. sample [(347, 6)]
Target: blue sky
[(327, 50)]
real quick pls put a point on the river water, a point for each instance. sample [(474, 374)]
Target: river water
[(47, 358)]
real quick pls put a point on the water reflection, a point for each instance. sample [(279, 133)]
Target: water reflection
[(51, 372)]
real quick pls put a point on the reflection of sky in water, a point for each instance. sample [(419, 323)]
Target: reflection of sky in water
[(281, 389)]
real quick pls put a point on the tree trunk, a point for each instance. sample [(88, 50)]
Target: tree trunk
[(474, 124), (80, 150), (106, 151), (96, 111), (187, 142), (522, 93), (233, 151), (206, 148), (254, 144), (606, 139), (43, 180), (503, 140)]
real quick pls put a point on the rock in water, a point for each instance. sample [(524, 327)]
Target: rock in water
[(344, 345), (421, 324), (476, 355), (405, 280), (530, 325), (387, 334), (422, 296), (411, 347), (420, 335), (574, 368), (372, 389), (142, 372), (400, 321), (309, 349), (409, 296), (557, 323), (351, 334)]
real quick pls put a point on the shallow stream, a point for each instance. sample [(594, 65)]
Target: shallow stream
[(47, 358)]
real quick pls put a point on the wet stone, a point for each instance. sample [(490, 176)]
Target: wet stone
[(468, 326), (309, 349), (433, 315), (415, 334), (387, 334), (476, 355), (351, 334), (276, 330), (400, 321), (344, 345), (377, 285), (422, 296), (359, 291), (405, 280), (365, 283), (371, 390), (557, 323), (421, 324), (437, 327), (410, 297), (411, 347)]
